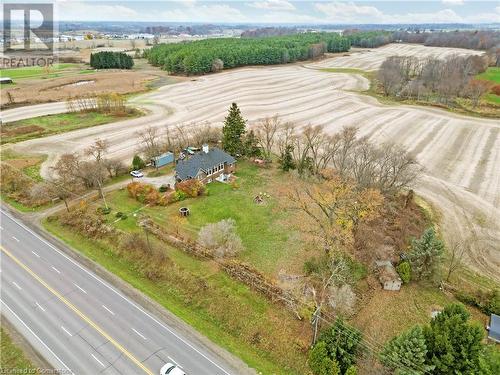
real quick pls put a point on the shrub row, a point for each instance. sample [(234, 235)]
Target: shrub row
[(111, 60)]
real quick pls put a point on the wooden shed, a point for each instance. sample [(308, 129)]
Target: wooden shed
[(388, 276)]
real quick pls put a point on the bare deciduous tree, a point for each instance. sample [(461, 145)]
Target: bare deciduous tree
[(149, 142), (266, 131), (332, 208)]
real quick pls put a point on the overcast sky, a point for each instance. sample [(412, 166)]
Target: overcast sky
[(283, 11)]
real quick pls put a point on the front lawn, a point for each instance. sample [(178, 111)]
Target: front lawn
[(269, 243), (43, 126)]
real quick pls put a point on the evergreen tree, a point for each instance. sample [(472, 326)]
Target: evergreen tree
[(319, 361), (352, 371), (137, 162), (341, 343), (251, 145), (233, 131), (454, 345), (425, 254), (404, 271), (286, 159), (406, 353)]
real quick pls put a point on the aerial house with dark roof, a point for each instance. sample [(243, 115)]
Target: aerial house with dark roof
[(206, 166)]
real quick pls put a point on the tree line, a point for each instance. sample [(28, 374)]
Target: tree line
[(441, 80), (198, 57), (477, 39), (111, 60), (368, 39)]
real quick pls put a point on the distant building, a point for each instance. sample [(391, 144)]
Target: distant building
[(494, 328), (162, 160), (388, 276), (208, 165), (5, 80)]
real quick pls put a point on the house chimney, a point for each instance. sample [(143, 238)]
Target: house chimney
[(205, 148)]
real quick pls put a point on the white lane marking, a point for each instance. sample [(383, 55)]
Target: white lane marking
[(40, 307), (108, 310), (65, 330), (55, 269), (38, 256), (80, 288), (140, 334), (174, 361), (173, 333), (38, 338), (17, 285), (15, 238), (102, 364)]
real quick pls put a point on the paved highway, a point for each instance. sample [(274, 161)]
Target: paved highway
[(81, 324)]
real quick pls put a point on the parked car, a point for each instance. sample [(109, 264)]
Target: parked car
[(171, 369), (137, 174)]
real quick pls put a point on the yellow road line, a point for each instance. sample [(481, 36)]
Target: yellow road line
[(78, 312)]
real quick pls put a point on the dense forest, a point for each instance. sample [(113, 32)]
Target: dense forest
[(212, 55), (368, 39), (111, 60)]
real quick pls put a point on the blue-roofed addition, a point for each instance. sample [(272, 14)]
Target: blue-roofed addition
[(162, 160), (494, 328)]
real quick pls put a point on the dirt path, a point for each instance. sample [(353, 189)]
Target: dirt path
[(461, 155)]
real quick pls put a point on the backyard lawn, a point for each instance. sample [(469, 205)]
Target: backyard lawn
[(269, 244), (43, 126)]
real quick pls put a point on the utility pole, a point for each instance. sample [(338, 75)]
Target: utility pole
[(314, 321), (102, 193)]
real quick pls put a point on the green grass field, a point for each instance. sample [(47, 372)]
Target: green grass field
[(39, 72), (492, 74), (43, 126), (12, 358)]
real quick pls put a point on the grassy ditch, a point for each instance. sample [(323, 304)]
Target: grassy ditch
[(12, 358), (43, 126)]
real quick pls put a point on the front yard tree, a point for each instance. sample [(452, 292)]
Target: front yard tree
[(233, 131), (406, 354), (97, 172), (149, 142), (138, 163), (425, 254)]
